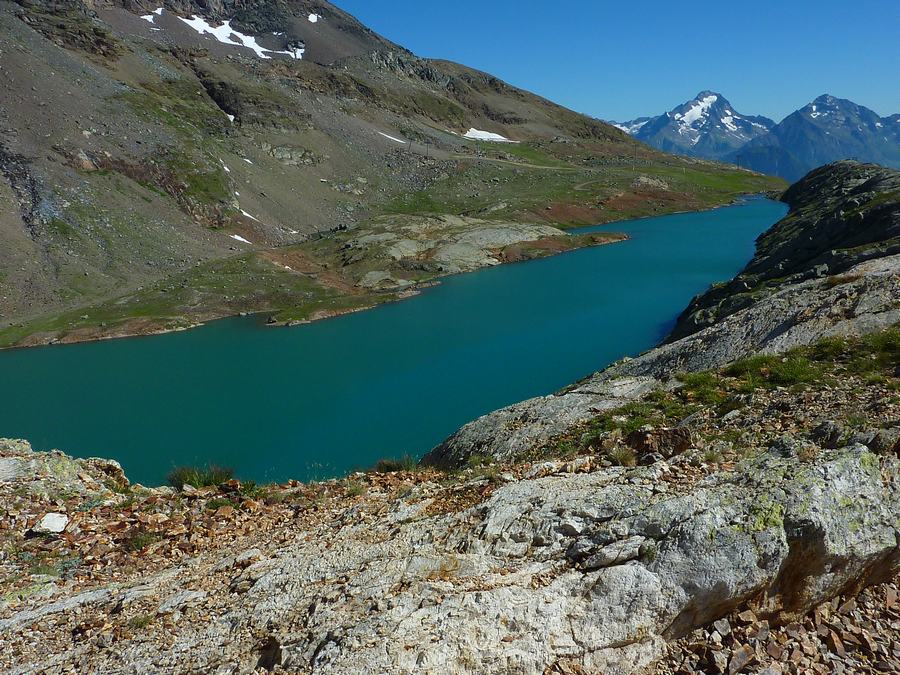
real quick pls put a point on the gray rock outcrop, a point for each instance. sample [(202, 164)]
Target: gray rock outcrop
[(841, 215), (597, 569)]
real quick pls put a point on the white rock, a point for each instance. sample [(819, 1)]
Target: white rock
[(52, 523)]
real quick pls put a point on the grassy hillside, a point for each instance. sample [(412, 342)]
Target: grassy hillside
[(140, 156)]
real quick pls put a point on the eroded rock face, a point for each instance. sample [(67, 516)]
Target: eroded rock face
[(48, 473), (512, 431), (841, 215), (598, 569)]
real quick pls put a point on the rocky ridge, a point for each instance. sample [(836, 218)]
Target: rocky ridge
[(841, 215), (825, 130)]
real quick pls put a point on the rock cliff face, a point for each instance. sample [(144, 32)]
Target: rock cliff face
[(841, 215)]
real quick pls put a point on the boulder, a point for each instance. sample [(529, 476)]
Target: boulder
[(664, 442), (51, 523)]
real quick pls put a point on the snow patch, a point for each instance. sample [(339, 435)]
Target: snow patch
[(250, 217), (230, 36), (728, 121), (697, 111), (152, 17), (247, 160), (392, 138), (239, 238), (314, 18), (478, 135), (631, 128)]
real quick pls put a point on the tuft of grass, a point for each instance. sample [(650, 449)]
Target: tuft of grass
[(712, 456), (140, 540), (355, 489), (251, 490), (842, 279), (807, 452), (478, 461), (390, 465), (207, 476), (218, 503), (140, 621), (702, 388), (772, 371), (622, 455)]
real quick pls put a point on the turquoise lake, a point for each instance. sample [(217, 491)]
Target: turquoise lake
[(318, 400)]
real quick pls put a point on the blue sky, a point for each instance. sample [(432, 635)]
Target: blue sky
[(625, 59)]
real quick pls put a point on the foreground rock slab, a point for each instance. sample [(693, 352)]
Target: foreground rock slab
[(576, 566)]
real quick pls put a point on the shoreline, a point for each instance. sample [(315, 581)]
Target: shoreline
[(201, 319), (322, 315)]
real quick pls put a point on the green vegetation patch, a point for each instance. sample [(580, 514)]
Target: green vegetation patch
[(199, 477), (875, 357), (794, 369), (405, 463)]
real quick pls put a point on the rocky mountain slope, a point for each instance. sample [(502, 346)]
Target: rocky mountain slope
[(841, 215), (158, 161), (706, 126), (702, 508), (823, 131)]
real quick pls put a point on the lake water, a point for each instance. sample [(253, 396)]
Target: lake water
[(318, 400)]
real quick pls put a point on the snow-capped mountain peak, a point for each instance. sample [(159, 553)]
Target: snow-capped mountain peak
[(706, 126), (824, 130)]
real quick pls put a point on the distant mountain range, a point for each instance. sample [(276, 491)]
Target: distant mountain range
[(826, 130), (706, 126)]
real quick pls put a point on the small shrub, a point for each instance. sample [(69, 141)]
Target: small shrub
[(210, 475), (390, 465), (622, 455), (355, 489), (140, 540)]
